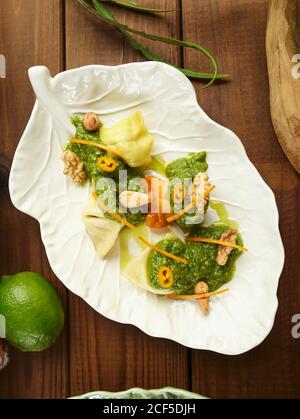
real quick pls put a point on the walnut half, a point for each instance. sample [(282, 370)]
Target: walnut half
[(201, 185), (74, 167), (224, 251)]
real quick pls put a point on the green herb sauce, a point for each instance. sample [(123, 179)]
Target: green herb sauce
[(82, 133), (202, 261), (187, 167), (109, 192)]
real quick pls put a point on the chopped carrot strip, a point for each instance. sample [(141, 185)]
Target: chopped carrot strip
[(164, 252), (221, 242), (198, 296), (112, 150), (112, 214), (191, 205), (121, 220)]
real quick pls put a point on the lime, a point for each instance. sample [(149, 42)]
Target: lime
[(32, 310)]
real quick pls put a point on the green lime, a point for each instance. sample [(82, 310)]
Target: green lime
[(32, 310)]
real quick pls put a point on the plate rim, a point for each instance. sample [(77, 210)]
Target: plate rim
[(170, 389)]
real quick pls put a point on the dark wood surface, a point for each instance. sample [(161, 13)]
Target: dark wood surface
[(95, 353)]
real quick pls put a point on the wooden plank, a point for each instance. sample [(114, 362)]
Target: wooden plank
[(282, 45), (235, 32), (30, 34), (106, 355)]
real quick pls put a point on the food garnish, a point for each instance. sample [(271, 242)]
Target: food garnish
[(73, 167), (121, 220), (198, 296), (220, 242), (156, 221), (178, 194), (187, 167), (112, 214), (160, 206), (191, 205), (201, 184), (107, 164), (164, 252), (112, 150), (224, 251), (202, 288), (165, 277), (91, 121)]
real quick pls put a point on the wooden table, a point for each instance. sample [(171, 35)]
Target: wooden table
[(95, 353)]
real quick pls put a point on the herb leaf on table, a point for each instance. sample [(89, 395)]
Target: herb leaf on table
[(133, 5), (101, 12)]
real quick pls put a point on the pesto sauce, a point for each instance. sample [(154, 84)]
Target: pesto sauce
[(157, 260), (108, 191), (189, 221), (202, 261), (218, 275), (109, 194), (82, 133), (187, 167), (89, 155)]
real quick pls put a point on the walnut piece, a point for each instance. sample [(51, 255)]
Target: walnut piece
[(202, 288), (224, 251), (199, 187), (74, 167), (201, 180)]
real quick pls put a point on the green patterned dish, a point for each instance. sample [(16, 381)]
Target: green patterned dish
[(139, 393)]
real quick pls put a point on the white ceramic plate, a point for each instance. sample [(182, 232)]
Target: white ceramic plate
[(139, 393), (238, 320)]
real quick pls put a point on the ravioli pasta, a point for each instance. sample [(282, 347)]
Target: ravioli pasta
[(102, 231), (136, 271)]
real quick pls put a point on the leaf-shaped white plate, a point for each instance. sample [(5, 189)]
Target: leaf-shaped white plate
[(238, 320)]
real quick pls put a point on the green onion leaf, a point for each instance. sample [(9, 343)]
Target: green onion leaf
[(133, 5), (104, 14)]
